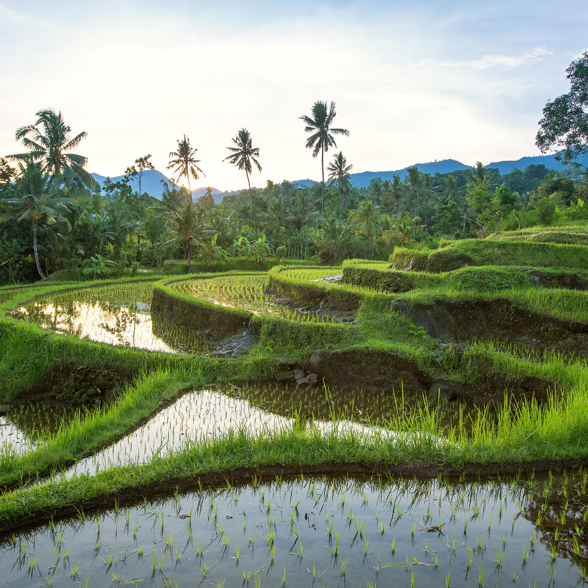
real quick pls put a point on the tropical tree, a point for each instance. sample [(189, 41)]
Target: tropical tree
[(136, 172), (184, 161), (339, 172), (565, 120), (322, 136), (7, 173), (36, 199), (393, 193), (243, 154), (48, 143), (365, 219), (333, 241), (189, 228), (376, 190), (399, 234)]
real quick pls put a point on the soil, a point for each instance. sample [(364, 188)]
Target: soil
[(496, 319), (388, 373), (69, 384), (243, 476)]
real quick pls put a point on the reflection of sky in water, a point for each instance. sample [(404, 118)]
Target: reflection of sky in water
[(198, 416), (384, 531), (11, 435), (117, 326)]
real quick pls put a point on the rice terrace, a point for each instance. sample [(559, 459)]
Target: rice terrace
[(358, 381)]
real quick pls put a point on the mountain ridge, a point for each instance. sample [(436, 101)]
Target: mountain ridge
[(151, 182)]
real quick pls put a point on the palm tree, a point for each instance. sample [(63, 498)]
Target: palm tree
[(322, 136), (184, 160), (143, 164), (48, 146), (189, 228), (241, 156), (366, 219), (477, 174), (339, 172), (416, 187), (37, 199), (393, 193)]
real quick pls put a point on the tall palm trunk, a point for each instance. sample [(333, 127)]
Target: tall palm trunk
[(323, 185), (340, 202), (36, 250), (139, 222), (189, 189), (252, 202)]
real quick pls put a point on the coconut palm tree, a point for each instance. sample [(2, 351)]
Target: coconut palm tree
[(322, 136), (339, 172), (184, 161), (48, 142), (36, 199), (189, 228), (366, 219), (242, 155)]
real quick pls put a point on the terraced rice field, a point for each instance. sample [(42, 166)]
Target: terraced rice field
[(116, 315), (247, 292), (318, 531)]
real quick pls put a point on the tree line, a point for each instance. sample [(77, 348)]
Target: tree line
[(54, 217)]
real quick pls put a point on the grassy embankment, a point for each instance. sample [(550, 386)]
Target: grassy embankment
[(518, 434)]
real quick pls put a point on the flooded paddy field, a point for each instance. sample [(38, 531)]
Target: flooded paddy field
[(327, 531), (248, 292), (117, 315), (24, 425), (203, 415)]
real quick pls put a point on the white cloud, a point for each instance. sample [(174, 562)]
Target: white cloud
[(488, 61)]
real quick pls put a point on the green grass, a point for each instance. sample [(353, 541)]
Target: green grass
[(564, 234), (87, 433), (524, 434), (520, 431), (489, 252)]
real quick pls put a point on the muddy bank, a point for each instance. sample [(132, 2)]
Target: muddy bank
[(244, 476), (206, 321), (498, 318), (70, 384), (389, 373)]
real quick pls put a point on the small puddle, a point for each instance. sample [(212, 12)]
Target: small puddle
[(319, 532)]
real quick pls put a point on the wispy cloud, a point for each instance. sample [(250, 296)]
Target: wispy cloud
[(24, 18), (488, 61)]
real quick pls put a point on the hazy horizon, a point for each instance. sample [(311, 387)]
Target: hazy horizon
[(411, 83)]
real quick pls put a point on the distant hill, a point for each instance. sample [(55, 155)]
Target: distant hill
[(151, 184), (362, 179)]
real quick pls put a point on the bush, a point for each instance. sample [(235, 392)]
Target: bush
[(545, 211)]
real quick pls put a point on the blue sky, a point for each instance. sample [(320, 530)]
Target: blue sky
[(412, 82)]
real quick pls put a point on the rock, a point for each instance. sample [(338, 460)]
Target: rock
[(301, 381), (299, 374), (400, 305), (288, 364), (442, 391), (536, 277), (285, 376), (354, 323), (312, 377), (459, 349), (317, 359), (312, 382), (100, 382)]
